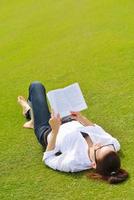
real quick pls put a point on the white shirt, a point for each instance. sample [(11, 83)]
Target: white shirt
[(74, 148)]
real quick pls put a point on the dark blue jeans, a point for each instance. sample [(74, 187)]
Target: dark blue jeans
[(41, 113)]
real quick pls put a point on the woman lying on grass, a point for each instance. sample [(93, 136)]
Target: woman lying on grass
[(73, 143)]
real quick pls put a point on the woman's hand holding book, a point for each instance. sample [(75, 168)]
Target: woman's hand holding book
[(55, 122), (80, 118)]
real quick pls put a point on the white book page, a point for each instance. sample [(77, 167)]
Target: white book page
[(75, 97), (58, 102), (50, 97)]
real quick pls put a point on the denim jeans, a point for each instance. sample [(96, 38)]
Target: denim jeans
[(41, 113)]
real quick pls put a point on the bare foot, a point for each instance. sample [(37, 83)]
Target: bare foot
[(25, 106), (28, 124)]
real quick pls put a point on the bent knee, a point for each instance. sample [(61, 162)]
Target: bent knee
[(36, 84)]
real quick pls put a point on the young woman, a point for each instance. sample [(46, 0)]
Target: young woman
[(72, 143)]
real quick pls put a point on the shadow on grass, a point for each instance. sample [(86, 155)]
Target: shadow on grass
[(121, 154), (73, 175)]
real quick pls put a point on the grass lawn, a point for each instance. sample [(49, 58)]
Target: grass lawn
[(59, 42)]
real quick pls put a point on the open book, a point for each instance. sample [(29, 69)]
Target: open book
[(67, 99)]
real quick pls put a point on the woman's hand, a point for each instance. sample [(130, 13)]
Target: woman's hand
[(80, 118), (76, 115), (55, 122)]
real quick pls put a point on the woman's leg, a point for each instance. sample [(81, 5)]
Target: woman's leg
[(41, 113)]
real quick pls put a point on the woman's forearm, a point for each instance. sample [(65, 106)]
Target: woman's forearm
[(80, 118), (55, 123), (52, 141), (85, 122)]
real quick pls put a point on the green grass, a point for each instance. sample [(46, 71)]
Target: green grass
[(59, 42)]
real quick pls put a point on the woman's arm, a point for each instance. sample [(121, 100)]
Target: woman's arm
[(55, 123), (52, 141), (80, 118)]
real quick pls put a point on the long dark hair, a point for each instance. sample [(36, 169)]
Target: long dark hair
[(108, 168)]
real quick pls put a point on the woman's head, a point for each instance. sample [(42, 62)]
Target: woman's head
[(107, 163)]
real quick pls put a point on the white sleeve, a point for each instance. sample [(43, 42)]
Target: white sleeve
[(60, 162), (116, 144)]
